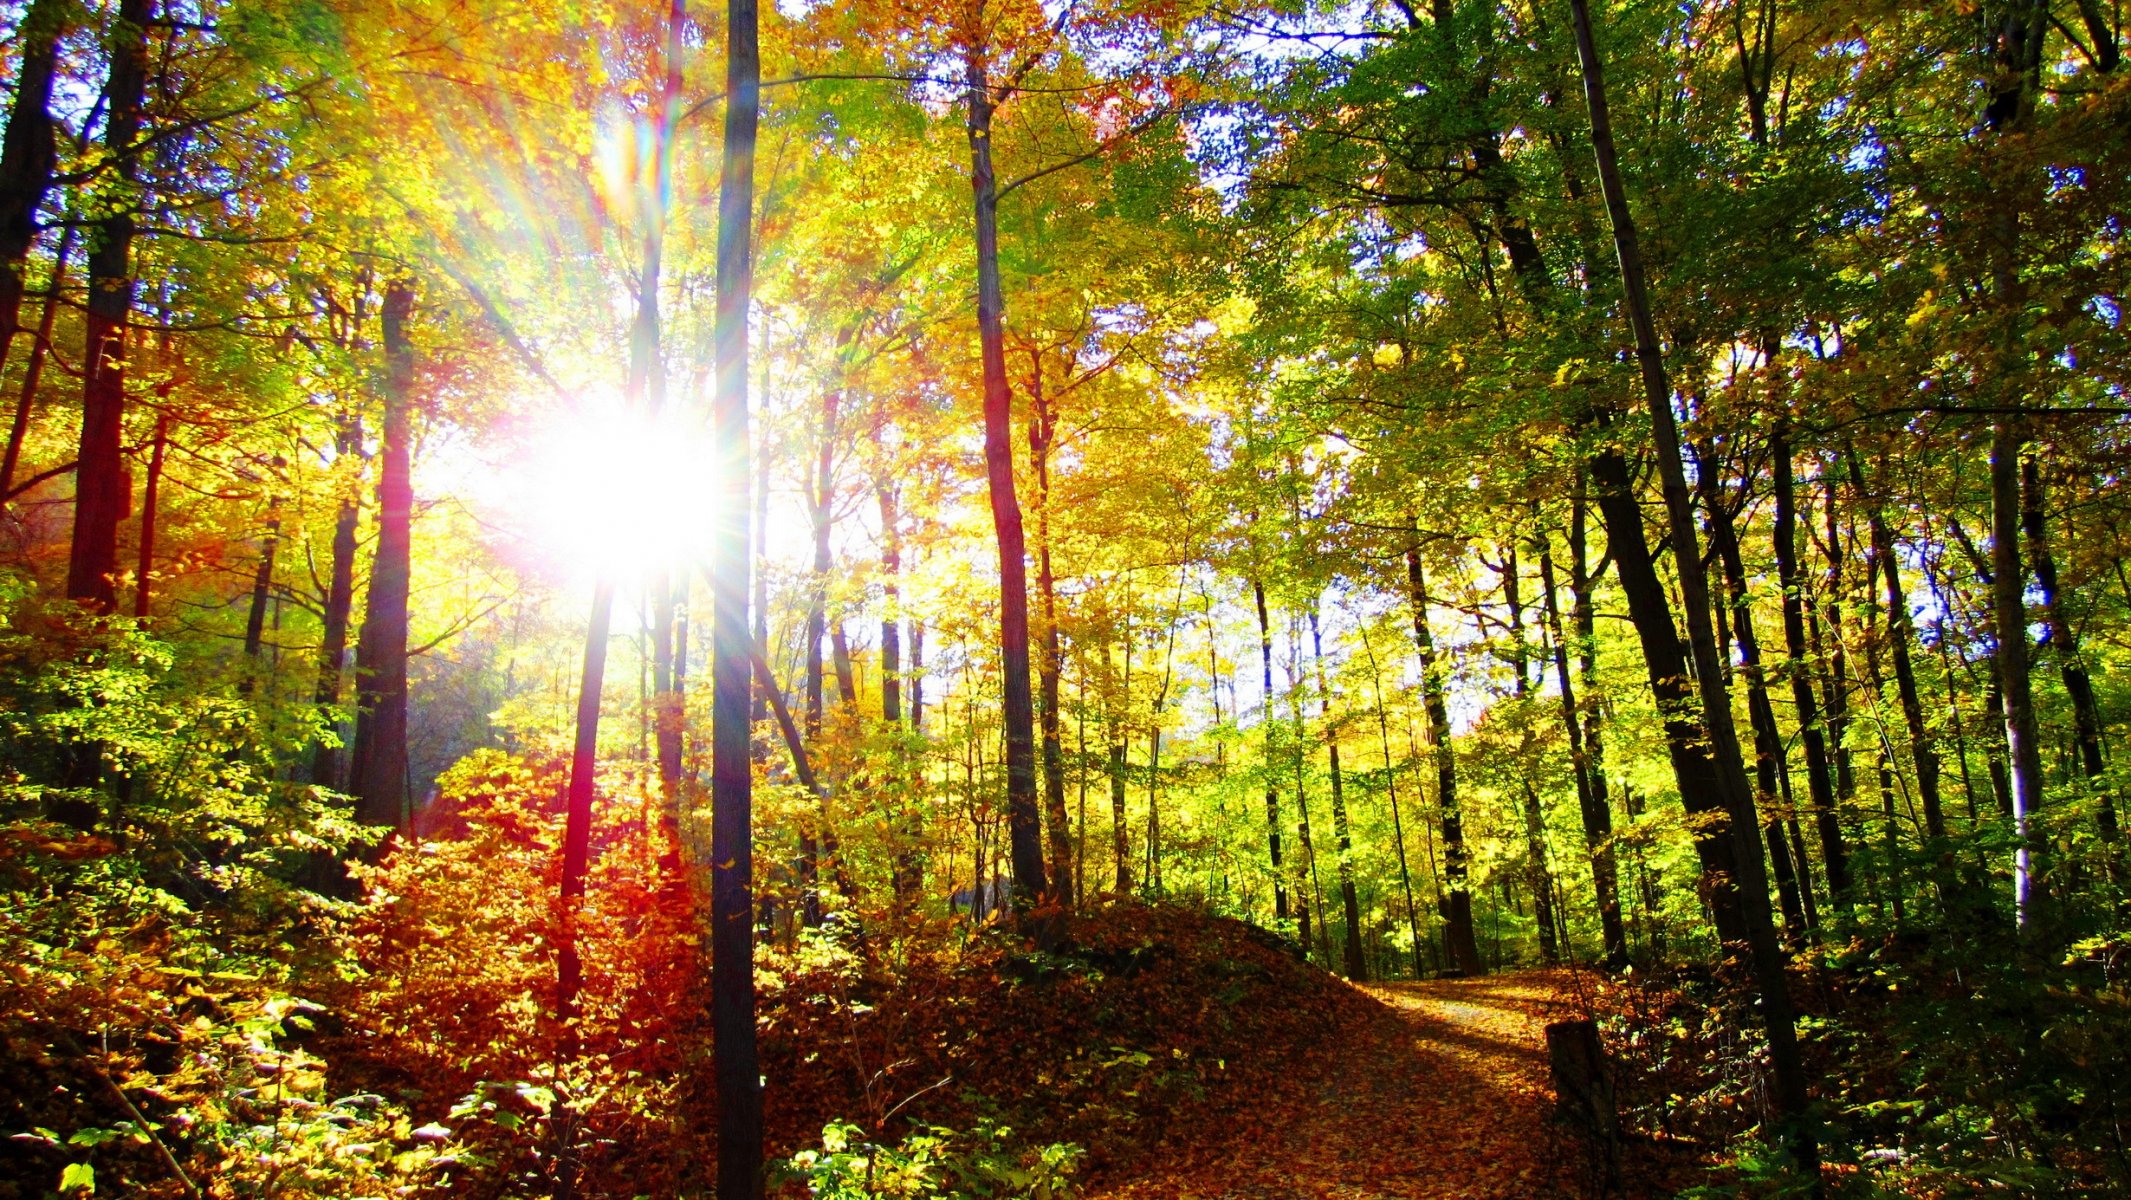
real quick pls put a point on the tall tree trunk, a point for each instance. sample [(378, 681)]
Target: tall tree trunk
[(732, 909), (40, 346), (820, 515), (2064, 647), (1901, 634), (1769, 765), (1398, 824), (1350, 902), (1590, 799), (2009, 613), (1043, 429), (1457, 919), (577, 814), (1024, 819), (1541, 878), (340, 601), (1120, 737), (1765, 956), (151, 504), (647, 378), (1272, 775), (100, 486), (1820, 783), (906, 879), (378, 770), (28, 153), (262, 589)]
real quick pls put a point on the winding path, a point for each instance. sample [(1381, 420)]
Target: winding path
[(1440, 1091)]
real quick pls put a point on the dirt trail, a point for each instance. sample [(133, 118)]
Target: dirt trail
[(1441, 1090)]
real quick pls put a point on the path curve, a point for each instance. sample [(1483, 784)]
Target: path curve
[(1440, 1091)]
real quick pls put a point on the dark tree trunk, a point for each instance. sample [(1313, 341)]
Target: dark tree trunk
[(1272, 775), (1792, 879), (1457, 920), (577, 814), (906, 878), (28, 154), (340, 601), (1350, 901), (1043, 428), (151, 503), (100, 486), (2064, 647), (1540, 876), (1901, 634), (1820, 783), (1024, 818), (1591, 802), (378, 770), (732, 908), (262, 588), (33, 374), (1765, 956), (2009, 612)]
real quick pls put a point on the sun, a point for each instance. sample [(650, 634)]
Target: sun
[(608, 490)]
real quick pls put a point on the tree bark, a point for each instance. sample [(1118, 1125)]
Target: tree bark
[(28, 154), (577, 814), (1342, 830), (1590, 799), (40, 346), (100, 487), (1272, 775), (1043, 430), (732, 911), (378, 770), (2009, 612), (1457, 921), (1901, 633), (2063, 645), (1820, 783), (1765, 957), (340, 601), (1024, 818), (151, 503)]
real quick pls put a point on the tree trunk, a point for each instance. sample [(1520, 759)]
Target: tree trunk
[(1590, 799), (1398, 824), (1024, 819), (28, 154), (577, 814), (1042, 433), (262, 588), (1457, 920), (1120, 737), (1272, 776), (2009, 611), (378, 770), (1765, 957), (1541, 878), (1350, 902), (1820, 783), (2064, 647), (340, 601), (151, 503), (1900, 635), (26, 402), (100, 487), (732, 916), (1769, 765)]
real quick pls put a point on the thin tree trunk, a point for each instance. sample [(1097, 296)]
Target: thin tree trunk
[(1590, 799), (732, 910), (1272, 775), (1900, 635), (1350, 902), (1042, 434), (151, 504), (378, 770), (1765, 956), (1541, 877), (1458, 926), (2064, 646), (1398, 825), (262, 589), (1769, 764), (100, 486), (1024, 817), (28, 154), (1820, 783), (19, 429), (577, 814), (340, 601), (1120, 847), (2009, 612)]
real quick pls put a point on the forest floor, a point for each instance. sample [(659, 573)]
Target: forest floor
[(1438, 1089)]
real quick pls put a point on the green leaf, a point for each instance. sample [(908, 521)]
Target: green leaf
[(78, 1177)]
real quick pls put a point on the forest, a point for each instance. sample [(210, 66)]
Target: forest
[(1064, 598)]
